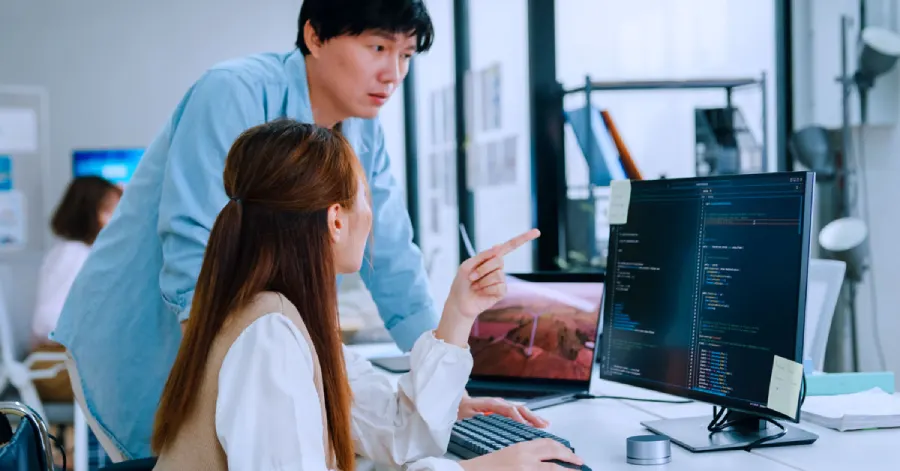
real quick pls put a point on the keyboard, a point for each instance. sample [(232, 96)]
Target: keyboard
[(484, 434)]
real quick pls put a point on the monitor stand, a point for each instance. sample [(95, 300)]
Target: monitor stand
[(692, 434)]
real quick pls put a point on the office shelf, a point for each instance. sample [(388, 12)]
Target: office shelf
[(577, 219), (727, 84), (711, 83)]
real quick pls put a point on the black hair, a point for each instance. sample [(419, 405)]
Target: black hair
[(333, 18), (78, 215)]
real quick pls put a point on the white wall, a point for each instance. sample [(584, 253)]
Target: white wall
[(438, 217), (816, 39), (499, 36), (662, 39), (116, 69)]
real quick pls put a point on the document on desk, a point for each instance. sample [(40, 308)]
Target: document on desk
[(858, 411), (784, 386)]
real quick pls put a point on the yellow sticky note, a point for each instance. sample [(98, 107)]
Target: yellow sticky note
[(784, 386), (619, 199)]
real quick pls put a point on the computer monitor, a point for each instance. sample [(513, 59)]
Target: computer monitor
[(115, 165), (706, 285)]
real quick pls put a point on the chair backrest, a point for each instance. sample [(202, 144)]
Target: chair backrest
[(28, 449), (823, 288), (145, 464)]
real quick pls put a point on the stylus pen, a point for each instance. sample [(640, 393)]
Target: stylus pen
[(466, 240)]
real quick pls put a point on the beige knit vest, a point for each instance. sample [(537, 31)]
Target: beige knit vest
[(196, 447)]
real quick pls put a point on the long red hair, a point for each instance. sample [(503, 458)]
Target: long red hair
[(273, 236)]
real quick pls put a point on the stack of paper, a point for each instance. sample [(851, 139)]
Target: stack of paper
[(863, 410)]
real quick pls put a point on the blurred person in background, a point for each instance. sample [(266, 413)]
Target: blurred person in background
[(86, 207), (84, 210)]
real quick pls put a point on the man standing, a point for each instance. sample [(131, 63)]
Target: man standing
[(121, 324)]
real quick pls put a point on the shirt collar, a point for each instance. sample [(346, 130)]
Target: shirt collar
[(296, 66)]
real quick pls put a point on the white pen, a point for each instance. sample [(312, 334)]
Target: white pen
[(469, 247)]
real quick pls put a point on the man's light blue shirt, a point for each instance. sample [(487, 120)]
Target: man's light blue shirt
[(121, 322)]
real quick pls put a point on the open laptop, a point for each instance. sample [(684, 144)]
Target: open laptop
[(540, 341)]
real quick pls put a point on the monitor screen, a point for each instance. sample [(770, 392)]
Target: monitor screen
[(115, 165), (544, 329), (706, 283)]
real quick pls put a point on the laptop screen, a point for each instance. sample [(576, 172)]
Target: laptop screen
[(544, 329)]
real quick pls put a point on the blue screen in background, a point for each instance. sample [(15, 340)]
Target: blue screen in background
[(115, 165)]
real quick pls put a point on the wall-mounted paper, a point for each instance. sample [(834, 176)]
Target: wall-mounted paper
[(435, 165), (784, 386), (509, 163), (12, 220), (437, 117), (619, 200), (434, 215), (449, 114), (450, 177), (491, 92), (6, 177), (18, 131)]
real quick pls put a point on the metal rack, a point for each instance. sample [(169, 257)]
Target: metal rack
[(728, 84)]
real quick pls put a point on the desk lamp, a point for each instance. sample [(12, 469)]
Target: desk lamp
[(880, 50), (845, 240)]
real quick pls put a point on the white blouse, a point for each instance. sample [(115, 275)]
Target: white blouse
[(268, 415), (58, 271)]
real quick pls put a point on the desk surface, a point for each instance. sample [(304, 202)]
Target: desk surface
[(598, 430), (866, 449)]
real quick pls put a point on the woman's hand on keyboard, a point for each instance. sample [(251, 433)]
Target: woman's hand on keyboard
[(532, 455), (472, 406)]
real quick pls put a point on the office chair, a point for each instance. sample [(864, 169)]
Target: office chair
[(18, 372), (144, 464), (28, 448)]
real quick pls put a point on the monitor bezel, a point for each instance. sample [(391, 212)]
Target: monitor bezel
[(552, 383), (735, 404)]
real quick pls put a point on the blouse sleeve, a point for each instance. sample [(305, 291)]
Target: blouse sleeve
[(268, 416), (409, 424)]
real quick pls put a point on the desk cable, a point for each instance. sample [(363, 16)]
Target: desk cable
[(62, 450), (639, 399), (722, 420)]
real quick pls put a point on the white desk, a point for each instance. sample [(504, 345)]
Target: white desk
[(870, 450), (598, 429)]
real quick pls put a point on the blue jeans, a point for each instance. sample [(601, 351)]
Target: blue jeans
[(97, 458)]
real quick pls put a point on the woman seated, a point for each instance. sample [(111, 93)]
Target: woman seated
[(84, 210), (262, 381)]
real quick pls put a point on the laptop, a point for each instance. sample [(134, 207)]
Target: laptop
[(540, 341)]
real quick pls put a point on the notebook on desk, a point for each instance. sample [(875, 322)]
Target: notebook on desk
[(540, 340), (859, 411)]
